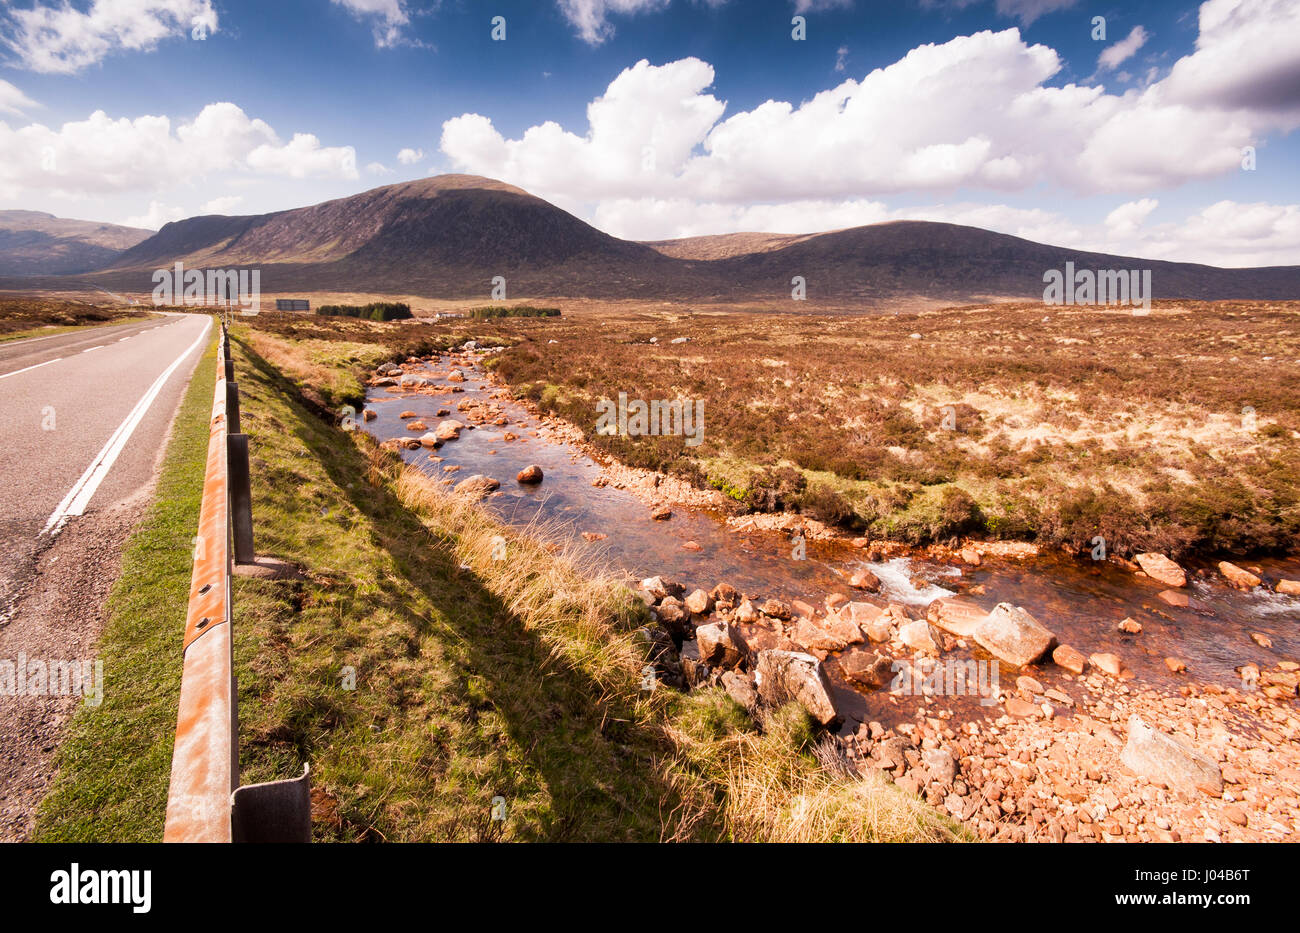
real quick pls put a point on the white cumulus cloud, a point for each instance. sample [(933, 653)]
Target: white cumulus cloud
[(386, 16), (102, 155), (223, 205), (1115, 54), (13, 100), (410, 156), (591, 17), (1127, 218), (64, 39), (920, 123), (154, 218), (1247, 59)]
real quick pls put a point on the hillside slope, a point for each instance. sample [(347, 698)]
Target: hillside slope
[(34, 243)]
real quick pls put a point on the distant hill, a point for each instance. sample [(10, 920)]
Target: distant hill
[(448, 236), (33, 243), (955, 262), (444, 236)]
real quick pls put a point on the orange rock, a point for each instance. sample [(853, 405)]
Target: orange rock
[(1107, 663), (1021, 708), (1070, 659), (1241, 579), (1161, 569)]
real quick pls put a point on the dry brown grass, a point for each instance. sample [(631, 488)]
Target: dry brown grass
[(1067, 423), (1070, 423), (31, 316)]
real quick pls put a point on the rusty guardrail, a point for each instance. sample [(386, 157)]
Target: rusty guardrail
[(205, 802)]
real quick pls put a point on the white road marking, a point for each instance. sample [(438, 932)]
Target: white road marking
[(78, 497), (88, 349), (27, 340), (26, 369)]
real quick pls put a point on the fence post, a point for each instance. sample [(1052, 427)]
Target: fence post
[(241, 497)]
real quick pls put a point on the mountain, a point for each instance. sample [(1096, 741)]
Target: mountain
[(448, 236), (32, 243)]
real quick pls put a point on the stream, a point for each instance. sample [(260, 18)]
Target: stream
[(1079, 600)]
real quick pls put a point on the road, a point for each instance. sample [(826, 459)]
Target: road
[(84, 417)]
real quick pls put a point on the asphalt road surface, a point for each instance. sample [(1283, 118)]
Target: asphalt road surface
[(84, 417)]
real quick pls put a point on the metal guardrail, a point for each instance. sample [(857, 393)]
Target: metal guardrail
[(205, 802)]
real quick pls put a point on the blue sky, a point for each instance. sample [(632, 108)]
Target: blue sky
[(1007, 114)]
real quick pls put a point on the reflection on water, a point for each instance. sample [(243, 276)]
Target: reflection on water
[(1082, 602)]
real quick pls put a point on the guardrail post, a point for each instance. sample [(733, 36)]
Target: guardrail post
[(241, 497), (232, 407), (277, 811)]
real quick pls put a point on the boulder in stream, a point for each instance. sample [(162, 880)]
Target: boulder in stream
[(864, 579), (859, 613), (449, 430), (870, 668), (1238, 577), (956, 615), (917, 637), (1011, 634), (478, 485), (1162, 569), (1070, 659), (829, 634)]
